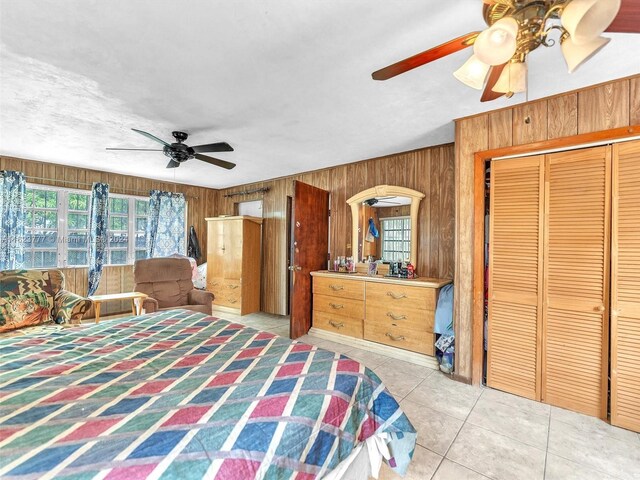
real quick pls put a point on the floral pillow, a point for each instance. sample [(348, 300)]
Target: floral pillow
[(17, 311)]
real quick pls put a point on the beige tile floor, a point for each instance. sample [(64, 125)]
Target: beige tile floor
[(470, 433)]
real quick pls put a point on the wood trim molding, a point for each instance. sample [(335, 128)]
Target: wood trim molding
[(612, 135)]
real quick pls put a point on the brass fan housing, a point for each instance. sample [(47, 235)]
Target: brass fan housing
[(531, 15)]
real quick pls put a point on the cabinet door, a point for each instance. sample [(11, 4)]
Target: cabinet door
[(576, 283), (515, 271), (625, 287), (215, 253), (232, 255)]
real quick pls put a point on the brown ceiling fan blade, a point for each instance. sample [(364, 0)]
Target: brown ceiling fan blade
[(427, 56), (215, 161), (494, 74), (628, 18)]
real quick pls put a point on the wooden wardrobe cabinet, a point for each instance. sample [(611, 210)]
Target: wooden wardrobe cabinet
[(234, 263)]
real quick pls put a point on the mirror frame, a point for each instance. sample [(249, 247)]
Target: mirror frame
[(386, 191)]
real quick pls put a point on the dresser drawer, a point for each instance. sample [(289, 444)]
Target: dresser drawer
[(400, 337), (395, 295), (228, 299), (215, 284), (343, 307), (399, 315), (351, 327), (232, 285), (338, 287)]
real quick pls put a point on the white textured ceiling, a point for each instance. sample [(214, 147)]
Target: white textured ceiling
[(286, 82)]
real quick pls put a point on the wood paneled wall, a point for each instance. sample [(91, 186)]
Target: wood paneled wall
[(428, 170), (601, 107), (201, 203)]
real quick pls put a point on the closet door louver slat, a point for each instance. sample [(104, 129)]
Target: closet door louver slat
[(625, 287), (515, 269), (576, 280)]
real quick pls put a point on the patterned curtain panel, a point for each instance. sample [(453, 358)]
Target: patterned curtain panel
[(99, 216), (12, 212), (166, 232)]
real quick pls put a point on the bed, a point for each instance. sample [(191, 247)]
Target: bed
[(181, 395)]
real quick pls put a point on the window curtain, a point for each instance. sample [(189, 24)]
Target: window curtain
[(166, 226), (98, 224), (12, 212)]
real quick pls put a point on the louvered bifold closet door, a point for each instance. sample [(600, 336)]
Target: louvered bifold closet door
[(515, 271), (625, 287), (576, 286)]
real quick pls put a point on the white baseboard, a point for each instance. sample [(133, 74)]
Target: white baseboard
[(407, 356)]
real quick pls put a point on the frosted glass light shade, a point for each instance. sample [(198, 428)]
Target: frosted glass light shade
[(575, 55), (473, 73), (587, 19), (513, 79), (497, 44)]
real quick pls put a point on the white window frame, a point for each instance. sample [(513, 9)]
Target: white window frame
[(62, 211), (59, 225), (131, 228)]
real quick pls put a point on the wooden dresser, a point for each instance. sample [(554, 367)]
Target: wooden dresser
[(395, 312), (233, 263)]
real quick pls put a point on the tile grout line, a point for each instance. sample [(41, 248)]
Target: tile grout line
[(454, 441), (546, 450)]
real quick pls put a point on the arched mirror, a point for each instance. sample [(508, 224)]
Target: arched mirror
[(385, 223)]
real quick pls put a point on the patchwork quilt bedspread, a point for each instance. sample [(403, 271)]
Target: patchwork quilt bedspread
[(181, 395)]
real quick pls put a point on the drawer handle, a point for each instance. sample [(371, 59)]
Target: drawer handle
[(337, 306), (233, 301), (336, 287), (336, 325), (396, 317), (397, 339), (396, 296), (233, 287), (213, 284)]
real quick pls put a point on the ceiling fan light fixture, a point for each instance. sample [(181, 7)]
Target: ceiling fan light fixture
[(577, 54), (513, 79), (497, 44), (473, 73), (585, 20)]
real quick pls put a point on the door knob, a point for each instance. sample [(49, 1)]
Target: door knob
[(599, 309), (294, 267)]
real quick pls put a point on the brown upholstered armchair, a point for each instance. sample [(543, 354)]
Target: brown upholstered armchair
[(168, 283)]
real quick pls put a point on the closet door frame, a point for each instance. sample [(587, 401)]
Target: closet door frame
[(476, 355)]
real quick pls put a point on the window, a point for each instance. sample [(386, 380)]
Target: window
[(57, 228), (41, 228), (77, 235), (118, 231), (396, 238), (142, 216)]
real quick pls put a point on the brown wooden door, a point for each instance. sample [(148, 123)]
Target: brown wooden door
[(576, 280), (625, 287), (515, 275), (310, 246)]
